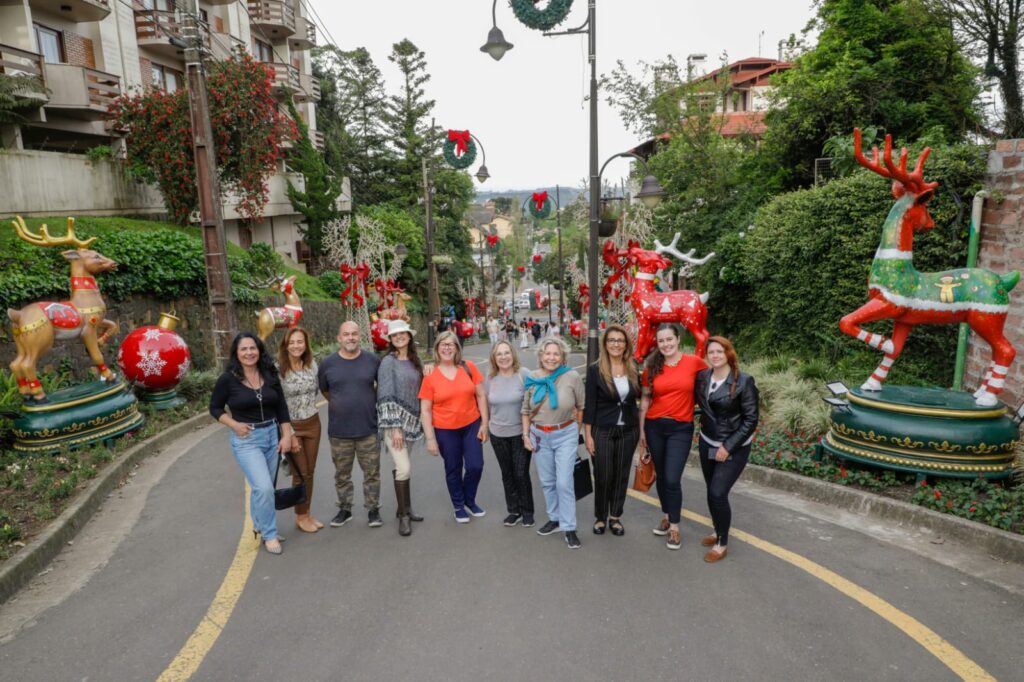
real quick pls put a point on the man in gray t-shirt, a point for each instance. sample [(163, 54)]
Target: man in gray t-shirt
[(348, 379)]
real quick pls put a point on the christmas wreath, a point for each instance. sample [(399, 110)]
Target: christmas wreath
[(540, 205), (459, 150), (541, 19)]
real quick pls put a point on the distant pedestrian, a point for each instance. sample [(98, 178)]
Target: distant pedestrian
[(536, 330), (493, 327), (728, 402), (348, 379), (611, 422), (666, 423), (524, 335), (551, 411), (298, 372), (506, 385), (453, 408), (398, 412), (260, 425)]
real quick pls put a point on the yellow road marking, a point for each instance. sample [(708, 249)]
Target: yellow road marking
[(206, 633), (949, 655)]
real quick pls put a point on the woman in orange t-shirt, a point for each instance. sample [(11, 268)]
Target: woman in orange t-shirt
[(666, 422), (453, 410)]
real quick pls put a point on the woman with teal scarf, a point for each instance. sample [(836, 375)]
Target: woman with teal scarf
[(552, 410)]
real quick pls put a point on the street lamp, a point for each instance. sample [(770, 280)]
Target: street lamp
[(481, 173), (496, 45)]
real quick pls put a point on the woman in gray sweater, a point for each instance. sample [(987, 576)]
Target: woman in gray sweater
[(505, 385), (398, 411)]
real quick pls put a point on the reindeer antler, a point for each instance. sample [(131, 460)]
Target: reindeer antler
[(267, 283), (685, 257), (912, 182), (44, 238)]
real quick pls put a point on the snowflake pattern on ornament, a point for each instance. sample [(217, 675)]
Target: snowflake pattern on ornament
[(182, 369), (151, 363), (180, 342), (151, 335)]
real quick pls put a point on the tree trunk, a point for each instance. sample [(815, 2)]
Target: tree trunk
[(1010, 84)]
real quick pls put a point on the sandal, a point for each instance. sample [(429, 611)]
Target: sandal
[(599, 527), (616, 527)]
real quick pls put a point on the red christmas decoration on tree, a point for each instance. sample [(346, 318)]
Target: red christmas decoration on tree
[(537, 258)]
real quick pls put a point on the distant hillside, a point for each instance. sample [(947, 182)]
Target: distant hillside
[(568, 194)]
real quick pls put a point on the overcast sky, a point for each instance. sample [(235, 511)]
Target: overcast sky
[(528, 109)]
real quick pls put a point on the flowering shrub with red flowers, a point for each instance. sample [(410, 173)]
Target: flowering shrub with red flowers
[(248, 130)]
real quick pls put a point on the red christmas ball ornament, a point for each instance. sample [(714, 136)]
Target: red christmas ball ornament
[(156, 358), (521, 269), (379, 333), (537, 258)]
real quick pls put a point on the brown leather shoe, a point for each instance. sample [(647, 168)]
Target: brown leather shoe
[(713, 556), (316, 523), (662, 528), (709, 540), (674, 541)]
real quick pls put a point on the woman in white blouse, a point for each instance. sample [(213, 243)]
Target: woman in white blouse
[(298, 372)]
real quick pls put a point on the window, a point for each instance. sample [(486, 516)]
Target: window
[(264, 52), (161, 5), (165, 78), (50, 44)]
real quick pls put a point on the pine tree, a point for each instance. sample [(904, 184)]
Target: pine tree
[(407, 121), (318, 202)]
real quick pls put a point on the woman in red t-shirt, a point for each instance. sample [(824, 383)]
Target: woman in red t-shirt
[(666, 422), (453, 411)]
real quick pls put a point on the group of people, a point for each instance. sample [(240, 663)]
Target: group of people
[(453, 409)]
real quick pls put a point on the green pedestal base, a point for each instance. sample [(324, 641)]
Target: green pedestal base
[(76, 417), (929, 431), (162, 400)]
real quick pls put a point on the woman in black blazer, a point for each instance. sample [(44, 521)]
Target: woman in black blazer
[(728, 416), (611, 426)]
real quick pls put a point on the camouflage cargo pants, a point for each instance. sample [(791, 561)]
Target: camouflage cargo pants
[(344, 451)]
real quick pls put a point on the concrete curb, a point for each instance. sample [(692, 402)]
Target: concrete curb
[(24, 565), (997, 543)]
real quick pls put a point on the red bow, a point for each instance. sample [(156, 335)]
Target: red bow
[(539, 198), (584, 298), (356, 277), (470, 305), (461, 140), (537, 258), (492, 240), (521, 269)]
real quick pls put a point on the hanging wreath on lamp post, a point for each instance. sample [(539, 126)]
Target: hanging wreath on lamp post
[(540, 205), (528, 14), (460, 149)]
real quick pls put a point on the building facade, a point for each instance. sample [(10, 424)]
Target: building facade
[(88, 52)]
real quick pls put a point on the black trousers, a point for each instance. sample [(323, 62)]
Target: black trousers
[(669, 442), (613, 455), (514, 462), (720, 477)]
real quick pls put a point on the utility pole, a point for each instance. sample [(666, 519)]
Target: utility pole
[(483, 272), (433, 303), (561, 270), (218, 279)]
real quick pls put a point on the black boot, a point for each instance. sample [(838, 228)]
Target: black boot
[(408, 506), (402, 493)]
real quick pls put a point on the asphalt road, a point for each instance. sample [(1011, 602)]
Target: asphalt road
[(481, 601)]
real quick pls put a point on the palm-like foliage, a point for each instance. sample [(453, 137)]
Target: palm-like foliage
[(15, 97)]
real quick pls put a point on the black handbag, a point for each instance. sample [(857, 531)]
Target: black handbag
[(581, 480), (286, 498)]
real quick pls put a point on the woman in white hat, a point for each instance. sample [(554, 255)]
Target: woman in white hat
[(398, 411)]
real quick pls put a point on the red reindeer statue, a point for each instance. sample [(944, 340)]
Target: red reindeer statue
[(36, 326), (653, 307), (898, 292), (279, 317)]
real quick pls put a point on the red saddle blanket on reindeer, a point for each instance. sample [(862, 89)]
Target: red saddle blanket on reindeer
[(61, 315)]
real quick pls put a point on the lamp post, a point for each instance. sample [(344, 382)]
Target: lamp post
[(433, 302), (561, 270)]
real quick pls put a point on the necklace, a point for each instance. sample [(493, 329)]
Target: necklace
[(258, 390)]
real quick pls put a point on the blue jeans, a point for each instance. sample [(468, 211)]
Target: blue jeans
[(463, 455), (256, 454), (555, 454), (669, 442)]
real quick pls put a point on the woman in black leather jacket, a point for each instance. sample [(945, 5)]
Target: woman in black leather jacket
[(728, 403)]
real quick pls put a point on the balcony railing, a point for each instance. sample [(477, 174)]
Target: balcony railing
[(286, 78), (155, 28), (81, 91), (17, 62), (309, 88), (304, 37), (274, 18), (75, 10), (318, 138)]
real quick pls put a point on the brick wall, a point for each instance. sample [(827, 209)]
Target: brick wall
[(146, 67), (1002, 250), (78, 50)]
